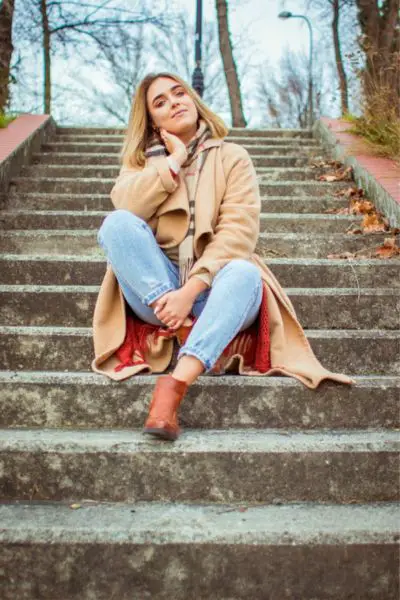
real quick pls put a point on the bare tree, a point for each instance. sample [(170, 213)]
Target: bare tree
[(62, 24), (232, 80), (6, 50), (284, 91), (171, 49), (380, 25)]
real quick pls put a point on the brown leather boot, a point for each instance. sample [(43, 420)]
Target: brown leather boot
[(162, 420)]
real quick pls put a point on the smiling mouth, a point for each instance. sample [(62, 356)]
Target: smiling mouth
[(179, 113)]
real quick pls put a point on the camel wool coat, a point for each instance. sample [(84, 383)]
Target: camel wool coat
[(227, 213)]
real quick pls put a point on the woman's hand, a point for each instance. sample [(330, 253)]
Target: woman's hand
[(173, 308), (174, 145)]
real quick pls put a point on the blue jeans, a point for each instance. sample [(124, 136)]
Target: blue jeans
[(145, 273)]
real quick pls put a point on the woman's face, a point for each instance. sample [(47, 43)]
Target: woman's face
[(166, 97)]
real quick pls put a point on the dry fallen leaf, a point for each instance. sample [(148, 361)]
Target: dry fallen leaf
[(389, 249), (361, 207), (75, 506), (373, 224)]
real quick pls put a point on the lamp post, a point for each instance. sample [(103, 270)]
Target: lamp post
[(197, 79), (289, 15)]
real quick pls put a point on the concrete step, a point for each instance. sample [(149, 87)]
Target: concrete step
[(285, 245), (269, 146), (84, 219), (22, 269), (95, 185), (134, 550), (67, 201), (233, 132), (356, 352), (111, 171), (82, 400), (237, 139), (257, 466), (317, 308), (70, 158)]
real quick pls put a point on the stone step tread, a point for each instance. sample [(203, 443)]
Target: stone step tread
[(263, 141), (82, 399), (293, 291), (306, 262), (53, 269), (112, 155), (311, 333), (111, 180), (90, 378), (269, 235), (70, 348), (222, 441), (85, 197), (28, 169), (103, 213), (172, 523)]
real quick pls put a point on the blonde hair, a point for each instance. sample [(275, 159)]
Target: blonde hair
[(139, 128)]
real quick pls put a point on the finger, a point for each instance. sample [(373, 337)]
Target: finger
[(159, 305)]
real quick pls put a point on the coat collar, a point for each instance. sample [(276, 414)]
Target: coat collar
[(211, 142)]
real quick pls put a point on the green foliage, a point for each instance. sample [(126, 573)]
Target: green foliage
[(379, 126), (5, 119)]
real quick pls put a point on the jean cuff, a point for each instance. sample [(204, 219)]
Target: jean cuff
[(208, 365), (157, 293)]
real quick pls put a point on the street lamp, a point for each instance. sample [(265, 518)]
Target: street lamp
[(289, 15), (197, 80)]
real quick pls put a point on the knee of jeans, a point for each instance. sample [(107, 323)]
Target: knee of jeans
[(116, 223), (246, 273)]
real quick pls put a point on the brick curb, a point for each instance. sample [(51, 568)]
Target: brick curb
[(19, 141), (379, 177)]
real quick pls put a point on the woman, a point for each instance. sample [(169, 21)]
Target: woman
[(181, 262)]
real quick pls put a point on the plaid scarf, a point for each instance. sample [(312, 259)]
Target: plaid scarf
[(196, 157)]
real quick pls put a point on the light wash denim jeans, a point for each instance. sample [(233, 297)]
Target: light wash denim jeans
[(145, 273)]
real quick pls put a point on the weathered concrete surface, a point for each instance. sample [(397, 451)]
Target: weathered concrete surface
[(294, 245), (95, 185), (67, 201), (88, 400), (362, 352), (263, 466), (310, 273), (71, 158), (241, 132), (85, 219), (100, 552), (325, 308), (267, 172)]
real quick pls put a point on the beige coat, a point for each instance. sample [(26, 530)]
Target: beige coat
[(227, 214)]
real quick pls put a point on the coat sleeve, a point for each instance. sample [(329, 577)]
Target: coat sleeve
[(238, 223), (141, 191)]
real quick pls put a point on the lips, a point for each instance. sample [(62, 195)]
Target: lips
[(178, 113)]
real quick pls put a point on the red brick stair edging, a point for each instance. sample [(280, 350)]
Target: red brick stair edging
[(19, 141)]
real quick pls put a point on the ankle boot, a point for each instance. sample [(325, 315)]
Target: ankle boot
[(162, 420)]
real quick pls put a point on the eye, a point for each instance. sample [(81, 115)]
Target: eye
[(179, 93)]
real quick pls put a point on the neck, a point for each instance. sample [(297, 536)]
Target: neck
[(187, 136)]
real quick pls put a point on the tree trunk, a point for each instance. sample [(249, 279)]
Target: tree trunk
[(344, 96), (6, 49), (232, 80), (46, 57), (380, 28)]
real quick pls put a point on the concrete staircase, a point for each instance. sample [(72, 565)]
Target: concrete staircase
[(273, 491)]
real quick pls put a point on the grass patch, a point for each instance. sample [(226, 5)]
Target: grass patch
[(382, 134), (6, 119)]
